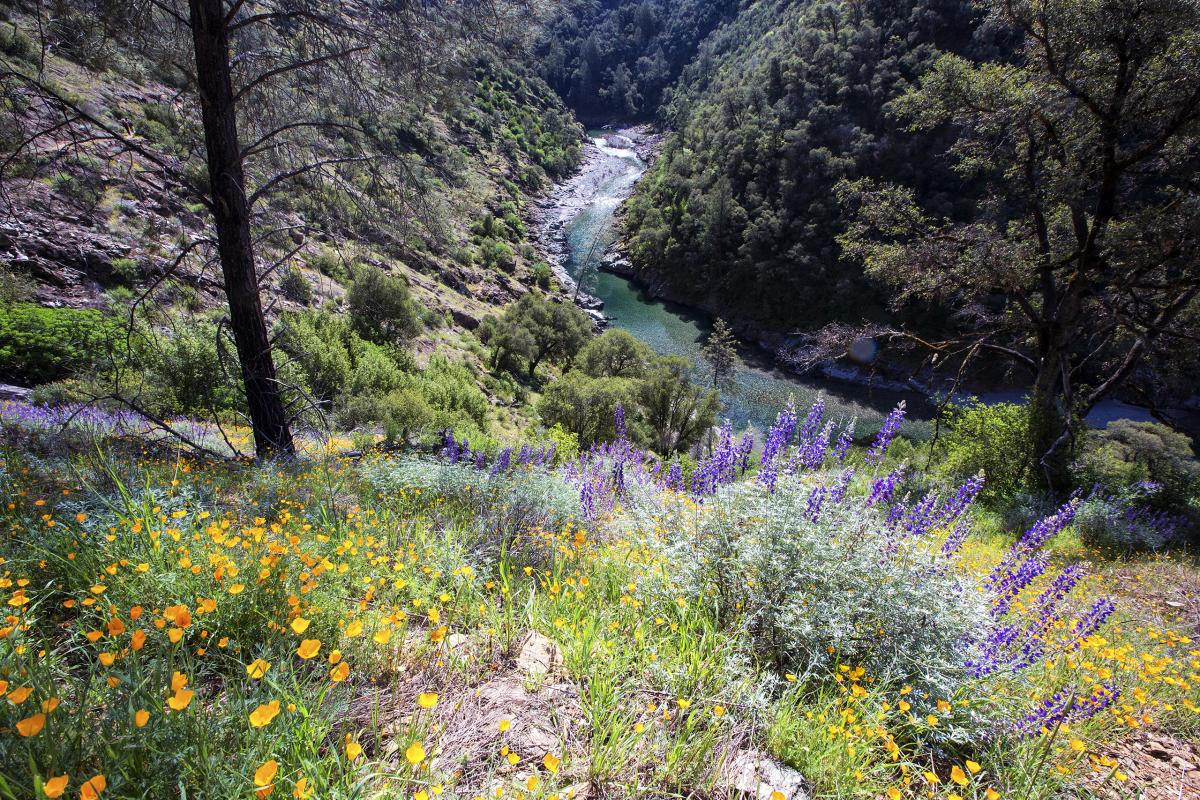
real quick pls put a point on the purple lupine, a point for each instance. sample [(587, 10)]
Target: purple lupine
[(845, 439), (619, 477), (480, 460), (587, 500), (1032, 541), (1061, 708), (1008, 588), (956, 539), (887, 432), (746, 448), (813, 421), (921, 517), (956, 505), (525, 455), (1045, 604), (812, 511), (768, 476), (619, 422), (813, 449), (780, 435), (883, 488), (675, 476), (450, 451), (893, 517), (1092, 620), (842, 486)]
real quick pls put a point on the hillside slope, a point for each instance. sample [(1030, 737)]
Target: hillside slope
[(738, 216), (86, 223)]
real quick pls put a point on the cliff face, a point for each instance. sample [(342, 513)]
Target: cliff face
[(91, 220)]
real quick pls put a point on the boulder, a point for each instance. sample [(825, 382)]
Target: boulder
[(754, 774)]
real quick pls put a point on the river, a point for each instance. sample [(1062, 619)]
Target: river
[(576, 226)]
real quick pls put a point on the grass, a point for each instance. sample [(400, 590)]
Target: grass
[(145, 592)]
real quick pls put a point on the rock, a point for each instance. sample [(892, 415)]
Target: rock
[(577, 791), (539, 656), (19, 393), (754, 774), (463, 318)]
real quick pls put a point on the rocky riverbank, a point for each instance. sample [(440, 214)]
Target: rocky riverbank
[(551, 214)]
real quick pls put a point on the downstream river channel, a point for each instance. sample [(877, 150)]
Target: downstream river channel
[(576, 226)]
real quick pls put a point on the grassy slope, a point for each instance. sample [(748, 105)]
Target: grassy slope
[(423, 581)]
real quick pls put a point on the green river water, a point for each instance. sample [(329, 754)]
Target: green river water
[(759, 389)]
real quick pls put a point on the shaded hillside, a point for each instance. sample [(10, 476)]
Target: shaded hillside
[(738, 215), (615, 59)]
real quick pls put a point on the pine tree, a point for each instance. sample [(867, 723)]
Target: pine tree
[(720, 351)]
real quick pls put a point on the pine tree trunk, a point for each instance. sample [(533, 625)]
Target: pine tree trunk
[(231, 214)]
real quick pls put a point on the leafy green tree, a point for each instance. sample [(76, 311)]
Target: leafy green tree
[(982, 438), (1081, 264), (537, 329), (382, 307), (616, 353), (586, 406), (720, 351), (676, 411)]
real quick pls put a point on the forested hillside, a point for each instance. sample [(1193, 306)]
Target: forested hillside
[(739, 214), (615, 59)]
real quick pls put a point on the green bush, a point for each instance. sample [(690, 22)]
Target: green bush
[(188, 374), (374, 373), (451, 388), (993, 439), (1128, 453), (382, 308), (403, 413), (295, 287), (126, 271), (39, 345), (318, 342)]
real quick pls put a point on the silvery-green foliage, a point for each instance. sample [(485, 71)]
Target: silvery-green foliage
[(505, 507), (1114, 523), (810, 596)]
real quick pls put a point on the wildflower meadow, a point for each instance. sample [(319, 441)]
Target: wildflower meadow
[(810, 615)]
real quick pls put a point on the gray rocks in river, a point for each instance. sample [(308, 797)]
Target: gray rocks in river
[(619, 141)]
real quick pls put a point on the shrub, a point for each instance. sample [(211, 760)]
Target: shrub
[(126, 271), (1126, 523), (812, 595), (497, 254), (39, 345), (1128, 454), (381, 307), (451, 387), (318, 343), (402, 413), (507, 509), (374, 373), (329, 262), (993, 439), (295, 287), (187, 372)]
